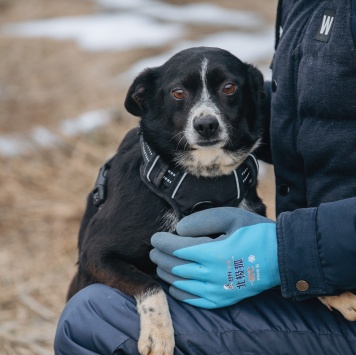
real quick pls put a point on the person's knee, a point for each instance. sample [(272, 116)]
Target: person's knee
[(77, 316), (96, 312)]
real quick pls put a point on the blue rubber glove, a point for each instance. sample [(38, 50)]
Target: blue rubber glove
[(213, 273)]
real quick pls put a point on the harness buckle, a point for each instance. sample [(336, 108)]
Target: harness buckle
[(202, 205), (99, 191)]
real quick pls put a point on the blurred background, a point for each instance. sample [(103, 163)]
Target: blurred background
[(65, 67)]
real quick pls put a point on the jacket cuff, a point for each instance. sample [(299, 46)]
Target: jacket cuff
[(298, 254)]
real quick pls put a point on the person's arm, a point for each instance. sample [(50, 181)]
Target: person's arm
[(317, 249), (264, 150)]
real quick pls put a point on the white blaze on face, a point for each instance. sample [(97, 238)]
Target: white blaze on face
[(205, 107), (205, 94)]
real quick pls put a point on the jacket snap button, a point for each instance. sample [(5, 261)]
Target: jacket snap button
[(302, 285), (283, 190), (274, 86)]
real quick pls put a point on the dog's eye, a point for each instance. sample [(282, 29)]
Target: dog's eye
[(229, 89), (178, 94)]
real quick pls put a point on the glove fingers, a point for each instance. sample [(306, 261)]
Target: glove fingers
[(182, 285), (181, 295), (191, 271), (217, 221), (179, 267), (165, 261), (191, 299), (167, 276), (194, 287), (168, 243), (202, 303), (207, 222)]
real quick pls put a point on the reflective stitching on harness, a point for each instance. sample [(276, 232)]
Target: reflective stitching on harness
[(248, 174), (149, 171), (144, 151), (184, 191), (237, 185), (149, 149), (179, 183), (255, 160)]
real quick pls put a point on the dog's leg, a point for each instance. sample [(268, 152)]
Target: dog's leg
[(156, 335), (345, 304), (253, 203)]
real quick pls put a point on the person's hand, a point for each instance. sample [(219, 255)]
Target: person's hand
[(212, 273)]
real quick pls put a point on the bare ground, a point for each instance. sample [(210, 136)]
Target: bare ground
[(43, 193)]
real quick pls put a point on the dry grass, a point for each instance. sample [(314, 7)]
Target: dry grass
[(42, 195), (46, 81), (42, 200), (26, 10)]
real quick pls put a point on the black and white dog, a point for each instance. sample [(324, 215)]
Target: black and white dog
[(199, 125)]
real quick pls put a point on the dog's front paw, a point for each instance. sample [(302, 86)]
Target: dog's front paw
[(345, 304), (156, 335), (156, 340)]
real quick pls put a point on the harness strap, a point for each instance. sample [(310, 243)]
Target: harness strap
[(187, 193)]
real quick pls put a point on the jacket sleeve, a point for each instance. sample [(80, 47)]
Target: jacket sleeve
[(317, 249), (264, 150)]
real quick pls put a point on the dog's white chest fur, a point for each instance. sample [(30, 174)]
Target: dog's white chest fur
[(208, 162)]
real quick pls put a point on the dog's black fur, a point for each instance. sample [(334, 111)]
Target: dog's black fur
[(114, 240)]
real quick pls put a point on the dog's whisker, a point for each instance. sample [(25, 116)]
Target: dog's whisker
[(185, 145), (182, 132), (179, 142)]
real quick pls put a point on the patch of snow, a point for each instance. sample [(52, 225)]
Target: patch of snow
[(249, 47), (201, 14), (44, 137), (85, 122), (17, 144), (101, 31), (11, 146), (123, 4)]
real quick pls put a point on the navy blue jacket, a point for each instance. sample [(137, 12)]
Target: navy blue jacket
[(313, 145)]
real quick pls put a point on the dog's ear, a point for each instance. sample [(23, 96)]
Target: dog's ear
[(140, 91), (256, 81)]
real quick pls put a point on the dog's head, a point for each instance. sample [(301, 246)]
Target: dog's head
[(199, 109)]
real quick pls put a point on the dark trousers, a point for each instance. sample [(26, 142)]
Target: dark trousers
[(102, 320)]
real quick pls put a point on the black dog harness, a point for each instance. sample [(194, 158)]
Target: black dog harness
[(187, 193)]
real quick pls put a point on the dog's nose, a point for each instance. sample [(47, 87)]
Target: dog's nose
[(206, 126)]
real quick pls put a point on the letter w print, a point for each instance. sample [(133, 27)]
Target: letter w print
[(327, 22)]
